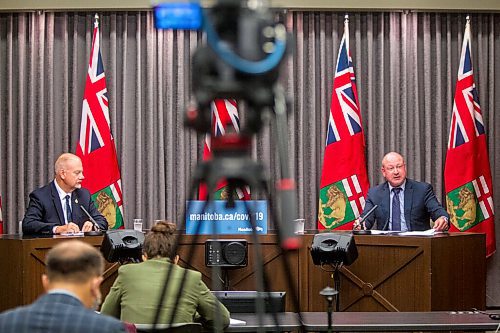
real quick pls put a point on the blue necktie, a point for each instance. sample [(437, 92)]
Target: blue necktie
[(396, 210), (68, 210)]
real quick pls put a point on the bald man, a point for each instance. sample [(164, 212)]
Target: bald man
[(57, 207), (403, 204), (72, 281)]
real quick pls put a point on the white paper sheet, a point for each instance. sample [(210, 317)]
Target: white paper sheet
[(236, 322)]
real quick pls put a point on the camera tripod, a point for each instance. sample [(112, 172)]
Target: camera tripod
[(241, 61), (232, 162)]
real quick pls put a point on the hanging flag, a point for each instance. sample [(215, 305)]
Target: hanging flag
[(96, 146), (224, 120), (467, 173), (344, 181), (1, 218)]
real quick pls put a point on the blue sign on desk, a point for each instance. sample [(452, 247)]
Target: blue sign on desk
[(227, 221)]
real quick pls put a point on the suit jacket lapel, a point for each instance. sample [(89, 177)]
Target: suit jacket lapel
[(385, 204), (408, 202), (77, 211), (57, 203), (74, 204)]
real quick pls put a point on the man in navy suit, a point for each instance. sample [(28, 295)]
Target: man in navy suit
[(72, 280), (403, 204), (58, 207)]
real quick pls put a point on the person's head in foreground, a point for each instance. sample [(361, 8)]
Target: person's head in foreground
[(77, 267)]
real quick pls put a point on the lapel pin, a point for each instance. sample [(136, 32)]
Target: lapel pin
[(76, 200)]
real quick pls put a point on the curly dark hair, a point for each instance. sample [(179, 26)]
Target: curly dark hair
[(159, 242)]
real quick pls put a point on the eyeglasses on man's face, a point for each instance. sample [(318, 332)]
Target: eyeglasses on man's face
[(393, 168)]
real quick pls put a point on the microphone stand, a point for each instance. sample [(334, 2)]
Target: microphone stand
[(329, 293), (386, 224), (97, 231), (362, 220)]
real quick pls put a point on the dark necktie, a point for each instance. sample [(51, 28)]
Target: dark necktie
[(396, 210), (68, 209)]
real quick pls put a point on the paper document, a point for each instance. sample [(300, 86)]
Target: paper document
[(429, 232), (384, 232), (72, 234), (236, 322)]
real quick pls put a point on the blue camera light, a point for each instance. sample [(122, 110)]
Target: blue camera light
[(186, 15)]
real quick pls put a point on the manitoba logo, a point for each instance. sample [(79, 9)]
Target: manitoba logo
[(109, 206), (470, 204), (334, 209)]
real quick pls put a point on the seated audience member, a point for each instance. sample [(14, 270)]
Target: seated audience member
[(134, 295), (403, 204), (57, 207), (74, 274)]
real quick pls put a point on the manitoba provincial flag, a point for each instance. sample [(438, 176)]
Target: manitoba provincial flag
[(467, 173), (96, 146), (344, 181), (224, 120)]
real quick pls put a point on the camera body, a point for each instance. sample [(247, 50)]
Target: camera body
[(233, 64)]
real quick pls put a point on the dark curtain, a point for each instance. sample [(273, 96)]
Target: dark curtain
[(406, 67)]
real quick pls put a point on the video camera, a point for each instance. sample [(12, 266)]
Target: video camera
[(240, 61), (245, 46)]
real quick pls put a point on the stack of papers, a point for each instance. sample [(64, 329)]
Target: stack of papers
[(236, 322), (429, 232), (72, 234)]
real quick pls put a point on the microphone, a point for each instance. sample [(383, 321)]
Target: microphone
[(97, 230), (360, 222)]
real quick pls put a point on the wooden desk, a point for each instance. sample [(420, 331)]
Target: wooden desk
[(399, 321), (287, 322), (360, 322), (22, 263), (392, 273), (244, 278), (410, 273)]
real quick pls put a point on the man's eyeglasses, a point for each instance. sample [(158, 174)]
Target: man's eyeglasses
[(394, 167)]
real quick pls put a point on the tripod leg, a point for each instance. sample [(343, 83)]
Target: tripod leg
[(286, 185), (168, 277), (262, 280), (286, 265), (336, 279)]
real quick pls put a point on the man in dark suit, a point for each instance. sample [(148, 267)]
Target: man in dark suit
[(403, 204), (58, 207), (72, 280)]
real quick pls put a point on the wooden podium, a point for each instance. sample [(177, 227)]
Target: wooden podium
[(244, 278), (22, 263), (392, 273), (404, 273)]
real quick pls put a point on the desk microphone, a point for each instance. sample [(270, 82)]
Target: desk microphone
[(360, 222), (97, 231)]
